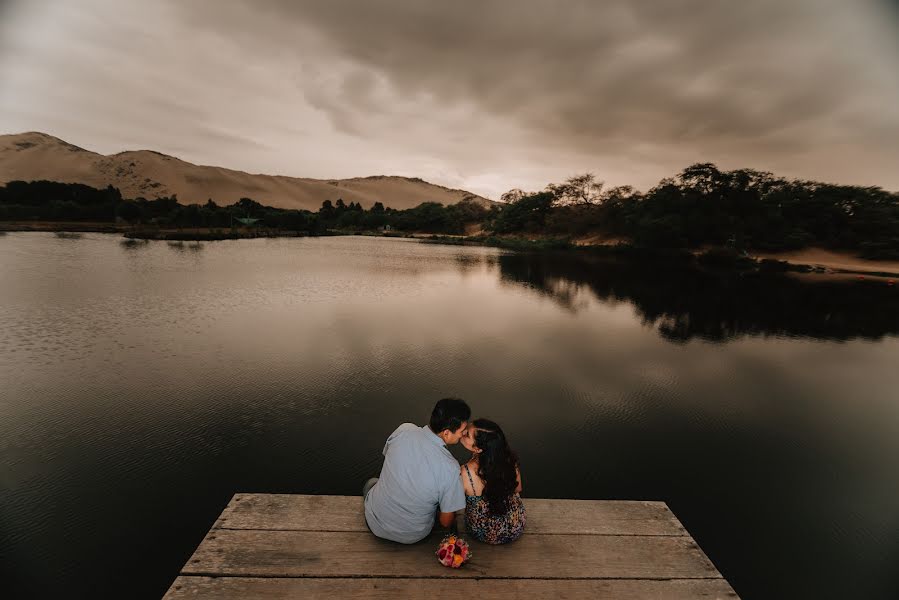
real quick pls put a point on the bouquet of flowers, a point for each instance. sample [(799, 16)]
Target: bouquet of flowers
[(453, 552)]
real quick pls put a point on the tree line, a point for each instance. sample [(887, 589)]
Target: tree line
[(55, 201), (702, 205)]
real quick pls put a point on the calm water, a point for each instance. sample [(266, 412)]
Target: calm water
[(141, 387)]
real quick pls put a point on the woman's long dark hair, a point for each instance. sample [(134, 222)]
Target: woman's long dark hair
[(497, 465)]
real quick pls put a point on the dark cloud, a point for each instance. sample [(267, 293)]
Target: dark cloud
[(512, 93), (714, 78)]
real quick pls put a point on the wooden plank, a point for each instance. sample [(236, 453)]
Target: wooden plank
[(344, 513), (601, 517), (241, 588), (254, 553)]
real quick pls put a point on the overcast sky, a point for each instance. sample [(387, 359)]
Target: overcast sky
[(481, 95)]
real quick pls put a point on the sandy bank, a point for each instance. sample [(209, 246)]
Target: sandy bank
[(835, 261)]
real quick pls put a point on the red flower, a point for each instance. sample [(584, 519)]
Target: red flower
[(453, 552)]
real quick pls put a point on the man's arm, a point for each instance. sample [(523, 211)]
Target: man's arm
[(447, 519), (452, 499)]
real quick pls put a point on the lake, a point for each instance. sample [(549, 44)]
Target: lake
[(141, 386)]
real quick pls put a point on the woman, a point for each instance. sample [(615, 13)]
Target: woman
[(494, 512)]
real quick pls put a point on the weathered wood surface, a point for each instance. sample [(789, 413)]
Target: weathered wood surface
[(235, 588), (272, 553), (343, 513), (280, 545)]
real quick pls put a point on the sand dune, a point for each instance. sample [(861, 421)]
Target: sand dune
[(34, 156), (833, 260)]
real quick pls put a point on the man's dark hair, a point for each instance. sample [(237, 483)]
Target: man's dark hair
[(449, 413)]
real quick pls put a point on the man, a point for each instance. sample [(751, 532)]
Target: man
[(420, 478)]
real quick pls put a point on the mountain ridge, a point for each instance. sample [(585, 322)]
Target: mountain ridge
[(35, 155)]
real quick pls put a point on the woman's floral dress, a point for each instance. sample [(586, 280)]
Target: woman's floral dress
[(489, 528)]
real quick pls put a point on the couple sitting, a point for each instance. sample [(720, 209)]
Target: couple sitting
[(420, 480)]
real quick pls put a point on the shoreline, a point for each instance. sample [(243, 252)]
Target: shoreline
[(808, 262), (184, 234), (797, 263)]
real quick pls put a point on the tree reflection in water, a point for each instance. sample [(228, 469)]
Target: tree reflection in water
[(684, 302)]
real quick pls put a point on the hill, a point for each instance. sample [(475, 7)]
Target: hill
[(37, 156)]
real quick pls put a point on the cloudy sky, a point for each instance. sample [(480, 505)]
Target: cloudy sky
[(483, 95)]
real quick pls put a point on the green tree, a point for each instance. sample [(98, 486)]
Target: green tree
[(129, 211), (528, 213), (579, 189), (327, 210)]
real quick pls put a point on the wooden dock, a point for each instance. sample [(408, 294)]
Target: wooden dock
[(293, 546)]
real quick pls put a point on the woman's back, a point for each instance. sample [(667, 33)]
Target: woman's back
[(483, 523)]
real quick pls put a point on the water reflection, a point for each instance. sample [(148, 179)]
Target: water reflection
[(181, 246), (683, 303), (141, 387), (132, 243)]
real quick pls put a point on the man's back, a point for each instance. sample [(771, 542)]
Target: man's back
[(419, 477)]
